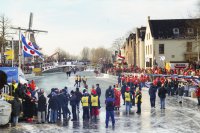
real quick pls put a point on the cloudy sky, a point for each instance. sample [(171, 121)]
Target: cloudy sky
[(73, 24)]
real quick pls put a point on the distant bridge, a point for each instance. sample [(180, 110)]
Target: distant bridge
[(60, 66)]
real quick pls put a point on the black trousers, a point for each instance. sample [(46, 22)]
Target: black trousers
[(86, 113), (152, 101), (138, 107), (74, 112)]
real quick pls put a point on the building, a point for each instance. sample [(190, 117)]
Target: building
[(170, 40), (140, 36), (129, 49)]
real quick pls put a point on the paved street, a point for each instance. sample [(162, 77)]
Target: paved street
[(175, 118)]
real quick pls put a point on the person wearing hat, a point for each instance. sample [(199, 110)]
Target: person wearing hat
[(138, 100), (128, 100), (198, 93), (41, 107), (94, 103), (16, 109), (85, 100), (110, 104), (53, 105), (152, 94)]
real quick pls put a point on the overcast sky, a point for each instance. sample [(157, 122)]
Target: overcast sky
[(73, 24)]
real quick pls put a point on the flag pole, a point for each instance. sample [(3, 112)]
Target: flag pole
[(19, 47), (12, 52)]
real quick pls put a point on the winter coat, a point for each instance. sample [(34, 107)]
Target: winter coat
[(16, 107), (78, 96), (98, 90), (53, 103), (109, 91), (162, 92), (73, 100), (152, 91), (180, 91), (123, 90), (42, 103), (110, 104)]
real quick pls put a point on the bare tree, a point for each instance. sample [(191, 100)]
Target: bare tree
[(117, 44), (62, 55), (100, 55), (85, 54), (4, 27)]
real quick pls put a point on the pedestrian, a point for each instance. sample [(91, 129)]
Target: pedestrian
[(198, 94), (78, 99), (53, 105), (138, 100), (79, 81), (152, 94), (85, 100), (73, 103), (84, 79), (117, 97), (94, 103), (119, 80), (108, 91), (16, 109), (41, 107), (180, 92), (98, 90), (76, 81), (110, 104), (123, 90), (128, 100), (66, 97), (162, 94)]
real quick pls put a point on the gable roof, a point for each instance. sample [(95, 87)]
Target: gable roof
[(164, 28)]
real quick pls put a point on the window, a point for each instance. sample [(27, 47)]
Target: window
[(173, 56), (176, 31), (150, 49), (189, 46), (161, 48), (190, 31)]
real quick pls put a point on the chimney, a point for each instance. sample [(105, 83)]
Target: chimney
[(148, 17)]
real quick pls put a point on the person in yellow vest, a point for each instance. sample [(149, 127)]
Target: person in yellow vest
[(14, 87), (128, 100), (79, 80), (138, 101), (94, 103), (85, 100), (76, 81)]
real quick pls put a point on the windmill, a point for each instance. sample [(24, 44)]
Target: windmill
[(29, 32)]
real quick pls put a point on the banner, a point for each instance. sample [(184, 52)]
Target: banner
[(11, 72)]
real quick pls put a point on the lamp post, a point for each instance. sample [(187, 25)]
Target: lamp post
[(197, 45)]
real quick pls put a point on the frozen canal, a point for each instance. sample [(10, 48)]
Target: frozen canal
[(176, 117)]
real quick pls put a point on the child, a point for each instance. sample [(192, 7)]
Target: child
[(138, 101)]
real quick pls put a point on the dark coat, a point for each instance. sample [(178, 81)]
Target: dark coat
[(73, 100), (78, 96), (53, 103), (180, 91), (152, 91), (123, 90), (98, 90), (16, 107), (42, 103), (109, 91), (162, 92)]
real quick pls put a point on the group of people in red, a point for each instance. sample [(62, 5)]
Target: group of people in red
[(191, 70)]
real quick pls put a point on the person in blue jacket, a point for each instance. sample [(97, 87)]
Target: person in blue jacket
[(110, 104)]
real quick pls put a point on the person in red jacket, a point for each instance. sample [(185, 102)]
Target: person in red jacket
[(198, 94)]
